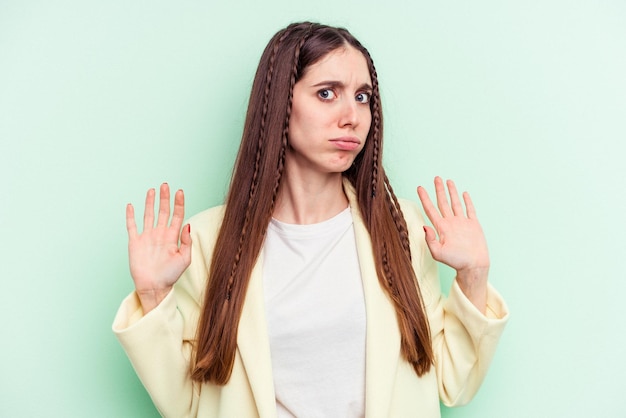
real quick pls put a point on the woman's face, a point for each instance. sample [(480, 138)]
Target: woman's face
[(330, 116)]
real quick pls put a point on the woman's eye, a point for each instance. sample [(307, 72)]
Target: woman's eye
[(363, 97), (326, 94)]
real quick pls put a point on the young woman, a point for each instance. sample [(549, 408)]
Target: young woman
[(313, 291)]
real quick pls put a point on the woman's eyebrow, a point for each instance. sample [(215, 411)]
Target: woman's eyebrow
[(341, 85)]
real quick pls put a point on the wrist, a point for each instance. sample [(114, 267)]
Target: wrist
[(473, 284), (151, 298)]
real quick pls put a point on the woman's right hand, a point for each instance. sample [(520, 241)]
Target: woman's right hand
[(156, 259)]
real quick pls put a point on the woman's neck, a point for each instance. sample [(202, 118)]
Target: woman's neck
[(309, 200)]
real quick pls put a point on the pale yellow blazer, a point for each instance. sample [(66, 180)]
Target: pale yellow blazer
[(158, 344)]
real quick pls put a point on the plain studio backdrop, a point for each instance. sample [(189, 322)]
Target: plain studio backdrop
[(522, 103)]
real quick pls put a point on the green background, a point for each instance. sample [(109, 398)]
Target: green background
[(522, 103)]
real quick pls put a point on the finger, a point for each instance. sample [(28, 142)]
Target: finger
[(442, 200), (428, 206), (148, 213), (164, 205), (431, 241), (185, 244), (457, 208), (469, 205), (131, 226), (179, 211)]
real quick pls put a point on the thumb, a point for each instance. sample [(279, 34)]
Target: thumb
[(431, 241), (185, 243)]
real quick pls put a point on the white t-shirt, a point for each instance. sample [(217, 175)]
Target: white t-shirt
[(316, 318)]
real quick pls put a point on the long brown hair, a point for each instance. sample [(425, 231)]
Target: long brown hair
[(253, 190)]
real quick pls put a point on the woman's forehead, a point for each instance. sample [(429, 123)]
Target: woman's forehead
[(344, 64)]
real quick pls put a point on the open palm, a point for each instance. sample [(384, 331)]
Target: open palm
[(457, 239), (156, 259)]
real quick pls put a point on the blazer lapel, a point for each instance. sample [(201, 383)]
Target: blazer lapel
[(383, 335), (254, 346)]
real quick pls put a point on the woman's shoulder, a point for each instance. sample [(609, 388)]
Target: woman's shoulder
[(411, 211), (208, 216), (207, 222)]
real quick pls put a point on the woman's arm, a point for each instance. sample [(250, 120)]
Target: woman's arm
[(457, 240), (464, 329), (155, 324)]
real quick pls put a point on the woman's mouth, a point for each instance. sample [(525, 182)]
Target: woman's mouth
[(346, 143)]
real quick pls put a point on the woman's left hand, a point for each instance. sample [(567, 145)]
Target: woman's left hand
[(461, 242)]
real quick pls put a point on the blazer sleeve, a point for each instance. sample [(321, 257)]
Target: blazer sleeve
[(159, 343), (464, 340)]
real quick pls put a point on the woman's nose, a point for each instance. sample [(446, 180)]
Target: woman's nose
[(349, 113)]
